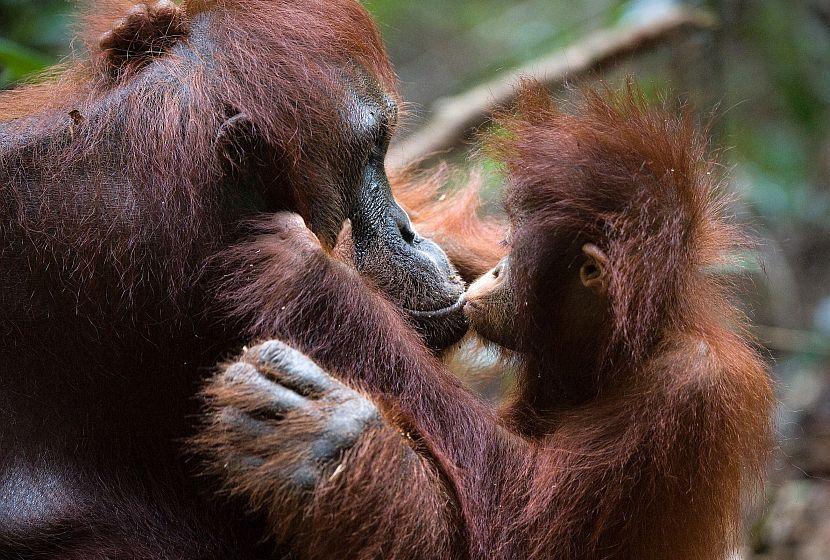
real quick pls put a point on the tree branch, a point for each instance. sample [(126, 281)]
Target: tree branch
[(455, 117)]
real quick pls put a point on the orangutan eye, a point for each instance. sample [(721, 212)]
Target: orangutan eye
[(384, 135)]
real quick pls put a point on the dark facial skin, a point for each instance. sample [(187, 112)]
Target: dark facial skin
[(412, 271)]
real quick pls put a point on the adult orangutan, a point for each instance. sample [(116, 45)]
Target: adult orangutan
[(642, 415), (122, 179)]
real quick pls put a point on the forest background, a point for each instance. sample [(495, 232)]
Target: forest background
[(762, 67)]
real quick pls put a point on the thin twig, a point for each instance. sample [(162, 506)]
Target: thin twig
[(455, 117)]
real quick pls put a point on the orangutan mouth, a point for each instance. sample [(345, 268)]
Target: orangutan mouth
[(439, 313)]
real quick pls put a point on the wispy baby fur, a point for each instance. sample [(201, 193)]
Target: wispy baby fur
[(660, 461), (638, 177)]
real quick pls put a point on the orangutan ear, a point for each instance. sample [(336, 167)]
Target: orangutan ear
[(147, 30), (594, 270), (235, 139)]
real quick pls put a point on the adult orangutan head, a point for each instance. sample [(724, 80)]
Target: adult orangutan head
[(215, 113)]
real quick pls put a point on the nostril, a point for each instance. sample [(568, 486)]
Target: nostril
[(407, 233), (501, 268)]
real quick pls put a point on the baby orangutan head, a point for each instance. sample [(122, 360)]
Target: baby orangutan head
[(574, 298)]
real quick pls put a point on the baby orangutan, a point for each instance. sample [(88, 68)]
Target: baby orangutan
[(641, 420), (650, 409)]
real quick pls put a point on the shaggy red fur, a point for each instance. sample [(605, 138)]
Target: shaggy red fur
[(678, 427), (638, 441), (118, 188)]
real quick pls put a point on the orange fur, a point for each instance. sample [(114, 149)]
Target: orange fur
[(639, 441), (472, 242), (115, 195), (676, 429), (364, 508)]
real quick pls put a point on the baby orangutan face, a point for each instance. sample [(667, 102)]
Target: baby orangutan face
[(492, 307)]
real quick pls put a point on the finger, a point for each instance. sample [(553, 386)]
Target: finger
[(289, 220), (137, 14), (268, 394), (352, 417), (305, 476), (145, 31), (166, 7), (236, 126), (293, 368), (289, 226)]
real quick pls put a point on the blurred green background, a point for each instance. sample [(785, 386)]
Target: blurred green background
[(765, 71)]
